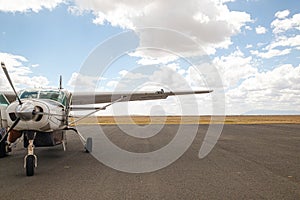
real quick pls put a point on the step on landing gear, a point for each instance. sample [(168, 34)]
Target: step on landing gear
[(30, 160)]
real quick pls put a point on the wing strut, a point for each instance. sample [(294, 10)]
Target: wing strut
[(88, 142), (97, 110)]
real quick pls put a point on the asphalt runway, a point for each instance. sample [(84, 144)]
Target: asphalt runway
[(248, 162)]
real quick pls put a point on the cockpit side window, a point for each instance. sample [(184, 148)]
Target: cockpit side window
[(62, 98), (3, 100)]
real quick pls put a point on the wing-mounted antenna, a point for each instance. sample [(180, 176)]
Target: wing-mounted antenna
[(60, 82)]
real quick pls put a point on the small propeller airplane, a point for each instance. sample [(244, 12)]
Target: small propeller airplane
[(42, 116)]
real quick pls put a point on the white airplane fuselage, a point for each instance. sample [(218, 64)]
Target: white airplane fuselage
[(40, 111)]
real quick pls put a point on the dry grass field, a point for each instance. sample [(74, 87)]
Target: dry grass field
[(144, 120)]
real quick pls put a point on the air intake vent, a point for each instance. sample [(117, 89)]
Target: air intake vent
[(38, 117), (12, 116)]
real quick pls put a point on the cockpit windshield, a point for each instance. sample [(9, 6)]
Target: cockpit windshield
[(29, 94), (54, 95)]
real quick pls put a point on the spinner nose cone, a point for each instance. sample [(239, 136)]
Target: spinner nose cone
[(25, 111)]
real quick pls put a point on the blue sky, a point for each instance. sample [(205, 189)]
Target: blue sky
[(56, 40), (254, 44)]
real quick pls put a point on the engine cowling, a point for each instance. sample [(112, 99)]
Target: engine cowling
[(36, 115)]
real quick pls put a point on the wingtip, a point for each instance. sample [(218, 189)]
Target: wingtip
[(2, 64), (206, 91)]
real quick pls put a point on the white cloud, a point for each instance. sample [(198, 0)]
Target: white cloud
[(195, 78), (271, 53), (33, 82), (260, 30), (261, 44), (123, 72), (249, 46), (35, 65), (249, 28), (84, 82), (282, 77), (129, 75), (168, 78), (234, 68), (284, 41), (282, 14), (112, 84), (208, 22), (282, 25), (282, 45), (19, 73), (150, 78), (28, 5), (13, 60), (152, 57), (272, 90), (226, 1)]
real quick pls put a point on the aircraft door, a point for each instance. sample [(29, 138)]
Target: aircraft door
[(3, 117)]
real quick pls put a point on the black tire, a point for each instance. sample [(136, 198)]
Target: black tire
[(89, 145), (2, 147), (30, 160)]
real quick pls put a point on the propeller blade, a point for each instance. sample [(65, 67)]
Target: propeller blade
[(44, 113), (10, 82), (11, 128)]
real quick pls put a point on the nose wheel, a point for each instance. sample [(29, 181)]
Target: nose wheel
[(30, 164), (2, 148), (30, 160), (88, 145)]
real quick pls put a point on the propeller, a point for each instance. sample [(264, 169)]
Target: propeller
[(25, 111), (45, 113), (11, 128), (18, 98)]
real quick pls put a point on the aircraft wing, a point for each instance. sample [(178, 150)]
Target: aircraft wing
[(82, 98)]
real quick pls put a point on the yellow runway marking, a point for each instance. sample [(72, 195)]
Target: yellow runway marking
[(145, 120)]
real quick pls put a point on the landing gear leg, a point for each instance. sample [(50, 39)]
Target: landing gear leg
[(64, 141), (30, 160), (88, 145)]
